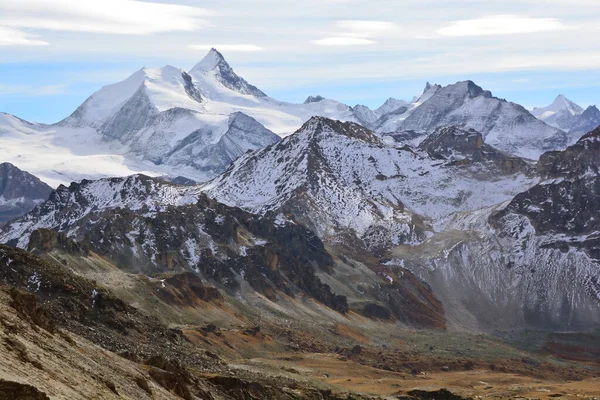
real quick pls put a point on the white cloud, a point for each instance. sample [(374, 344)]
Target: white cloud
[(356, 33), (15, 37), (242, 48), (131, 17), (501, 25), (358, 28), (343, 41)]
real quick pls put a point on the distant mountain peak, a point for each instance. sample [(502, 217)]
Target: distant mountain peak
[(320, 125), (215, 63), (210, 61), (390, 105), (471, 88), (428, 87), (560, 104), (314, 99)]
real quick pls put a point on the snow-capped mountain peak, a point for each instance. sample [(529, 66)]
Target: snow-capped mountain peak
[(561, 103), (504, 125), (210, 61), (165, 88), (215, 65), (314, 99), (389, 106), (568, 116)]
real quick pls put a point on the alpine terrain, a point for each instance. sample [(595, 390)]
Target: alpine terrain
[(20, 192), (198, 239)]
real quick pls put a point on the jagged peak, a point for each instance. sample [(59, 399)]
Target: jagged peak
[(210, 61), (318, 125), (214, 64), (471, 88), (560, 103), (314, 99), (429, 86), (591, 110), (239, 117)]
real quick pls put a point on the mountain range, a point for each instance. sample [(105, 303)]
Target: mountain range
[(455, 212), (169, 122), (568, 116), (201, 235)]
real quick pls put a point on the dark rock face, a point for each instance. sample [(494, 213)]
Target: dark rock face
[(187, 289), (190, 88), (467, 146), (223, 244), (19, 192), (231, 80), (376, 311), (46, 240), (568, 202), (313, 99), (26, 304), (285, 263), (19, 391), (442, 394)]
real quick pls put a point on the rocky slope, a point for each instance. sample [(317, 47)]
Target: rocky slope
[(504, 125), (531, 262), (20, 192), (77, 327), (344, 182), (145, 225), (564, 208)]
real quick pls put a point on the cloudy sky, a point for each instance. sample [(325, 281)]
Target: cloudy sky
[(55, 53)]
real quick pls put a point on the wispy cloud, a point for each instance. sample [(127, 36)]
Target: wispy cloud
[(131, 17), (356, 33), (358, 28), (15, 37), (242, 48), (501, 25)]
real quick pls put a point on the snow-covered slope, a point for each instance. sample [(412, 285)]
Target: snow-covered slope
[(569, 117), (68, 205), (531, 262), (392, 120), (559, 114), (19, 192), (340, 177), (504, 125), (159, 121)]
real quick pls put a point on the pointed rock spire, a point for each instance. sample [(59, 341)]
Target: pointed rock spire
[(215, 63)]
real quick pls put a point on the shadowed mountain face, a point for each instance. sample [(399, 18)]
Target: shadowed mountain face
[(529, 262), (19, 192), (566, 205), (150, 226)]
